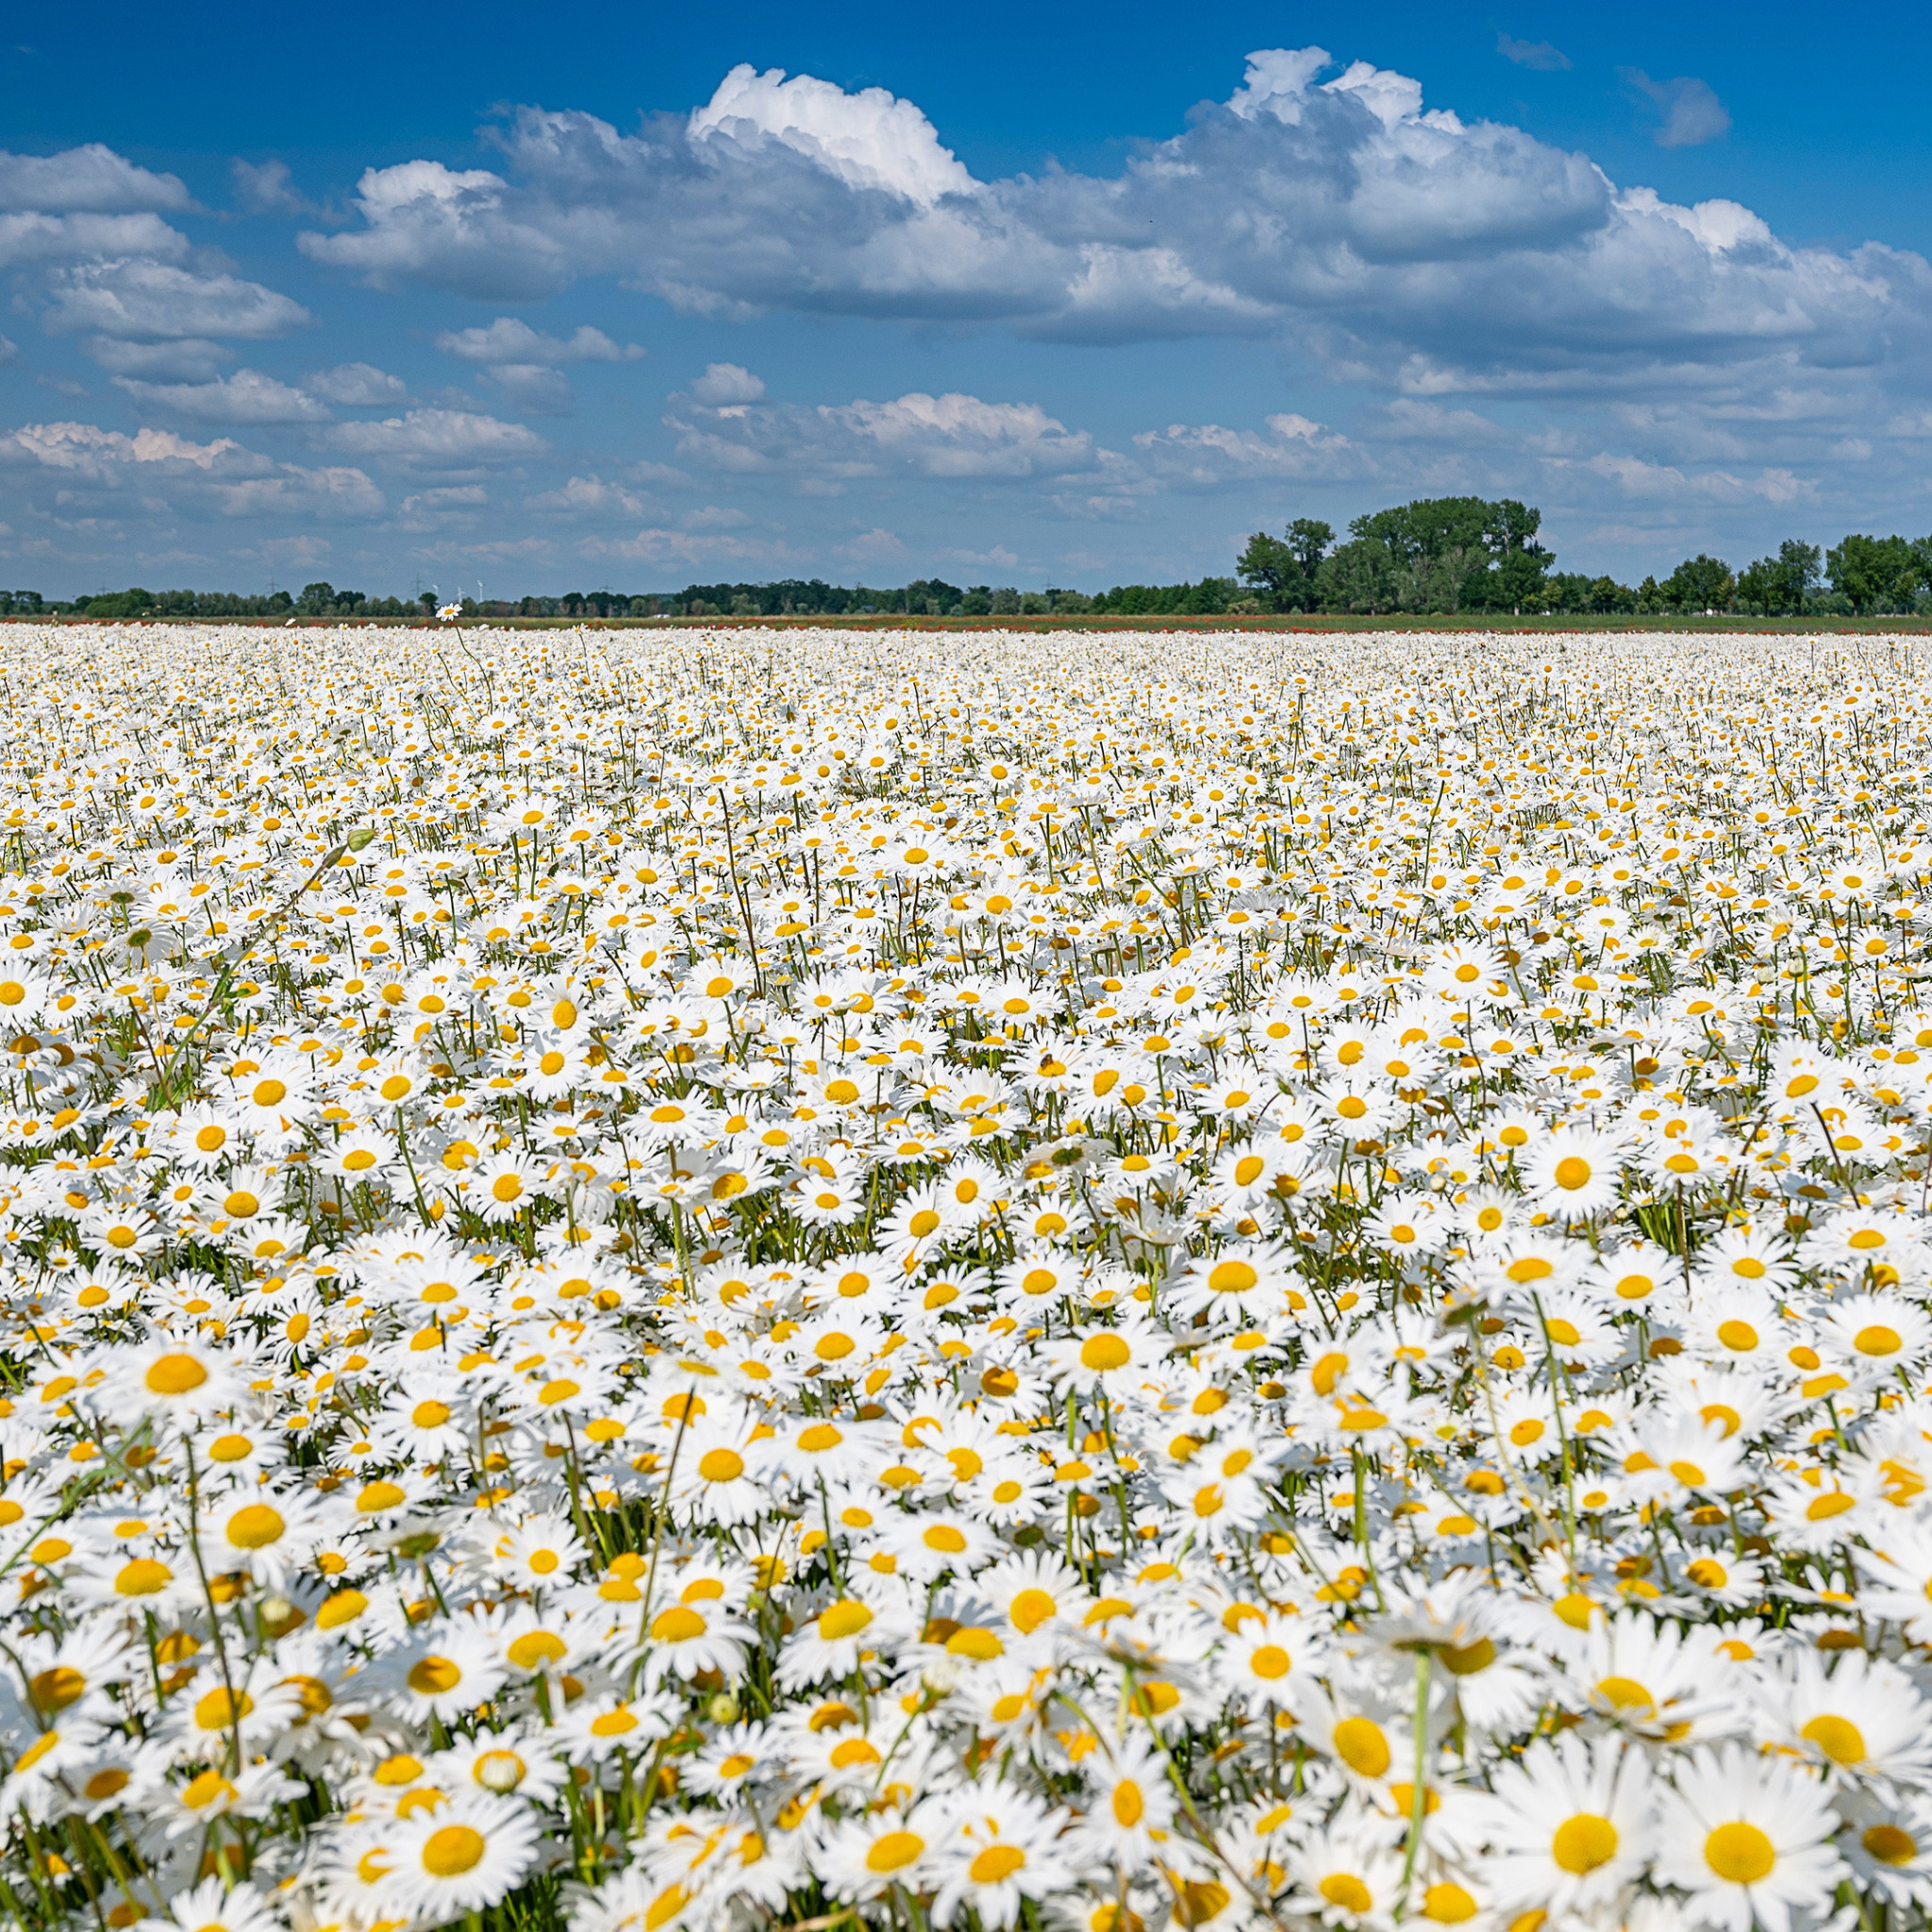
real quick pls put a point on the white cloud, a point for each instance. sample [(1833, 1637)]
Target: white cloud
[(294, 491), (873, 546), (1340, 216), (1692, 112), (869, 140), (452, 506), (1410, 420), (508, 340), (590, 498), (1208, 453), (355, 385), (91, 180), (1664, 482), (247, 397), (424, 222), (522, 364), (86, 448), (219, 478), (728, 382), (155, 299), (27, 239), (436, 439), (950, 436)]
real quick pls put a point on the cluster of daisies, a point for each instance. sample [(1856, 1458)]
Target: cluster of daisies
[(696, 1283)]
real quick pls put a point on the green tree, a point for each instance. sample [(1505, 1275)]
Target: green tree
[(1268, 567), (1358, 576), (1875, 572), (117, 605), (1441, 553), (1755, 587), (1780, 586), (1700, 583), (1797, 572), (1281, 570), (1522, 564)]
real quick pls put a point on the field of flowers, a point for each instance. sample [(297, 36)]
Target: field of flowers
[(682, 1280)]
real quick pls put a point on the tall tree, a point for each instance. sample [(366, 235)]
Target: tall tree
[(1698, 583), (1281, 570), (1874, 573), (1796, 574)]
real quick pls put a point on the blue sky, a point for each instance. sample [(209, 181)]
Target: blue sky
[(1046, 294)]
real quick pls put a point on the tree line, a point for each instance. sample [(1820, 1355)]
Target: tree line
[(1450, 554), (793, 596), (1444, 554), (315, 600)]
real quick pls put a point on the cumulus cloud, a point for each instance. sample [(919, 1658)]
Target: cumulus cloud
[(1293, 445), (875, 546), (86, 448), (590, 499), (247, 397), (436, 439), (869, 140), (918, 435), (728, 382), (522, 365), (1410, 420), (1654, 482), (355, 385), (219, 478), (1337, 213), (91, 180), (29, 239), (1539, 55), (453, 228), (296, 491), (155, 299), (508, 340), (1691, 113)]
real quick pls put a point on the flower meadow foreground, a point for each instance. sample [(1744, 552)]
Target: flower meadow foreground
[(680, 1280)]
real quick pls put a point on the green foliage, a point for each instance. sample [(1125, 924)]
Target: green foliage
[(1878, 573), (1210, 597), (118, 604), (1281, 572), (1436, 554), (1700, 583)]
